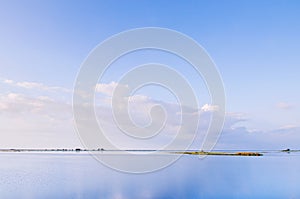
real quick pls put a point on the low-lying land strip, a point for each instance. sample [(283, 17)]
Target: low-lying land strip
[(221, 153)]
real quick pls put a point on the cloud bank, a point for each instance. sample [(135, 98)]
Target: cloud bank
[(43, 121)]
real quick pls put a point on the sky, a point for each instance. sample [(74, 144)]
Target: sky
[(254, 45)]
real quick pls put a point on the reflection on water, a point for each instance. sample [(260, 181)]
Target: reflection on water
[(29, 175)]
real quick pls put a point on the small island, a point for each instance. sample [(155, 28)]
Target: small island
[(221, 153)]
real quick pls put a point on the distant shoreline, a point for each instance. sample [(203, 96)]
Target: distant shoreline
[(223, 153), (184, 152)]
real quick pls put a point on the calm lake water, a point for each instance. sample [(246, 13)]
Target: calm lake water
[(40, 175)]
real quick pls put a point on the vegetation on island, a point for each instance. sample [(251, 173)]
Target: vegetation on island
[(221, 153)]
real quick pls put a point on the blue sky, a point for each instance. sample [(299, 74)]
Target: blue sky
[(255, 45)]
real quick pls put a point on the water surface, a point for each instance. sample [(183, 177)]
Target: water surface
[(76, 175)]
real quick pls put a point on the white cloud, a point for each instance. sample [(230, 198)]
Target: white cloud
[(27, 121), (288, 127), (139, 99), (31, 85), (284, 105), (108, 89), (209, 108), (233, 119), (42, 117), (8, 81), (13, 96), (16, 103), (3, 106), (34, 85)]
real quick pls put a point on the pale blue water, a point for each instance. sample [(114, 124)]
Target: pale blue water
[(29, 175)]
